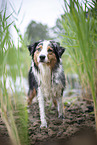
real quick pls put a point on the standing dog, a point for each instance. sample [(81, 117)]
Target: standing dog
[(46, 75)]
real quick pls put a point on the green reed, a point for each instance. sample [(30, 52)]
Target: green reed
[(80, 39), (13, 107)]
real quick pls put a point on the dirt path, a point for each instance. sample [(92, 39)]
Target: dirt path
[(77, 127)]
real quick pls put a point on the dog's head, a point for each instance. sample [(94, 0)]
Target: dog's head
[(47, 52)]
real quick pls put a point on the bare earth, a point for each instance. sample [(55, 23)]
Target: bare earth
[(77, 127)]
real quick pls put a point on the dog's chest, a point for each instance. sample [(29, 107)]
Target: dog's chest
[(45, 79), (49, 83)]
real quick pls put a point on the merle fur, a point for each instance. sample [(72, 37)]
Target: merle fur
[(32, 81), (58, 50)]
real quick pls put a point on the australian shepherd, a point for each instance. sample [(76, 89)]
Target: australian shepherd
[(46, 76)]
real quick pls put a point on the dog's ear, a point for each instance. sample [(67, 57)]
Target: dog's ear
[(60, 50), (32, 47)]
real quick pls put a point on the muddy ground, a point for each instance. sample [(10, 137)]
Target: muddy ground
[(77, 127)]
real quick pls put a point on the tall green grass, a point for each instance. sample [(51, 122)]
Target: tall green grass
[(80, 39), (13, 107)]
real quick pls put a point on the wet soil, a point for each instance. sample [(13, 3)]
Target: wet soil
[(76, 128), (4, 137)]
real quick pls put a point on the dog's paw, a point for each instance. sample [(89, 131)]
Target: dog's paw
[(61, 116), (43, 125)]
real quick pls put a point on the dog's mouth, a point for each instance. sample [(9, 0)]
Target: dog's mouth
[(43, 61)]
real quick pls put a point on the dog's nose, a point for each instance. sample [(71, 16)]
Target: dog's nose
[(42, 57)]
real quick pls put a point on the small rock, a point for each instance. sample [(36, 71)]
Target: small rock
[(59, 133), (35, 124)]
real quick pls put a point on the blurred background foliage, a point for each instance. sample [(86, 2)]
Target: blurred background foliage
[(76, 30), (37, 31)]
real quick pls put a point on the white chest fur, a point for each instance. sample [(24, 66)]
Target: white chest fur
[(45, 79)]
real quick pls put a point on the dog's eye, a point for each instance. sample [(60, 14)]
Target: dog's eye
[(39, 49), (50, 50)]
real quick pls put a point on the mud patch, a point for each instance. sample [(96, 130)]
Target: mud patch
[(77, 127), (4, 138)]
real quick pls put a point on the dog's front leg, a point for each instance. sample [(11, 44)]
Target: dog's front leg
[(60, 107), (42, 109)]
